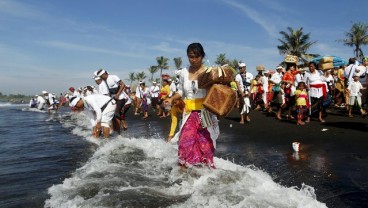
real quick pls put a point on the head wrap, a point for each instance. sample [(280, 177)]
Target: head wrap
[(101, 73), (73, 101), (242, 65)]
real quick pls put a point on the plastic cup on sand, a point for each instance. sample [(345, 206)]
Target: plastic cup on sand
[(296, 146)]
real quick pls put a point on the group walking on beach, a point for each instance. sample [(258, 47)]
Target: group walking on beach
[(289, 92)]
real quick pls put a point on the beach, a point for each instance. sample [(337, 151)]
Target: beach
[(256, 165)]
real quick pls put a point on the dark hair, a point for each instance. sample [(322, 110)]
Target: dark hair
[(197, 49), (352, 61), (314, 63), (301, 83), (289, 65)]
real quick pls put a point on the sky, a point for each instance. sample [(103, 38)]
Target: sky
[(54, 44)]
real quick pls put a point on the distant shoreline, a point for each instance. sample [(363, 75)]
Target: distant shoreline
[(15, 100)]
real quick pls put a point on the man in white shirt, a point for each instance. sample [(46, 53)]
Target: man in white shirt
[(40, 102), (247, 77), (51, 101), (102, 87), (300, 76), (243, 94), (154, 91), (350, 70), (172, 87), (138, 98), (101, 110), (33, 102), (115, 87)]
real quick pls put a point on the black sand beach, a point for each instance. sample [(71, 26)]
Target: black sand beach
[(332, 157)]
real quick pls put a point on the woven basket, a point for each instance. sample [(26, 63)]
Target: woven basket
[(291, 59), (215, 75), (220, 99)]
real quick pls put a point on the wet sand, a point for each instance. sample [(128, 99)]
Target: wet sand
[(332, 157)]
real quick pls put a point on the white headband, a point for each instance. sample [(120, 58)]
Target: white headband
[(101, 73), (74, 101)]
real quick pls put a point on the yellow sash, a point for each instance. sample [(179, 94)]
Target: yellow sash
[(193, 104)]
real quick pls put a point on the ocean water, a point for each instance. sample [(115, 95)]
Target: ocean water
[(52, 161)]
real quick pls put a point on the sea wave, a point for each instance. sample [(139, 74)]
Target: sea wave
[(143, 172)]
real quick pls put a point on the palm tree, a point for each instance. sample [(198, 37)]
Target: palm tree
[(162, 63), (234, 63), (356, 37), (178, 62), (221, 59), (141, 76), (295, 42), (132, 77), (152, 70)]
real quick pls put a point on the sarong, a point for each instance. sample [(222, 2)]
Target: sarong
[(195, 144)]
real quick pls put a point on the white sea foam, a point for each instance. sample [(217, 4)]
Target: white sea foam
[(34, 110), (5, 104), (143, 172)]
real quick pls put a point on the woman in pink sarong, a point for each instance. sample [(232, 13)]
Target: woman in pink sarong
[(199, 130)]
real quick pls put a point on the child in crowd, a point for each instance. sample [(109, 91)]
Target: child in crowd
[(302, 103), (257, 90), (355, 96)]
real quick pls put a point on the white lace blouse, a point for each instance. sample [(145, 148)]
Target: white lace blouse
[(189, 88)]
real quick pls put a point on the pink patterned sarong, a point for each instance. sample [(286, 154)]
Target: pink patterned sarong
[(195, 143)]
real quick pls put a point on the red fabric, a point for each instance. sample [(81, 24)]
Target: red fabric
[(324, 89), (195, 143), (288, 77), (306, 99)]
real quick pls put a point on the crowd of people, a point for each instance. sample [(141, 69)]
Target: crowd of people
[(288, 92), (298, 93)]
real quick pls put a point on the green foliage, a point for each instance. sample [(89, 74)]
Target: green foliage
[(295, 42), (221, 59), (152, 70), (178, 62), (162, 64), (356, 37)]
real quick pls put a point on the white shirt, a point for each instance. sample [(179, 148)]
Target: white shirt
[(33, 101), (189, 88), (276, 78), (50, 98), (239, 79), (154, 90), (102, 88), (94, 103), (40, 100), (354, 88), (265, 84), (349, 72), (138, 92), (248, 77), (314, 78), (112, 81), (172, 89), (299, 78)]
